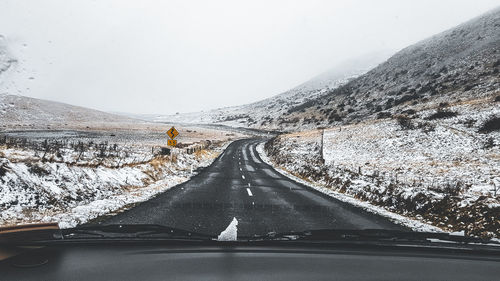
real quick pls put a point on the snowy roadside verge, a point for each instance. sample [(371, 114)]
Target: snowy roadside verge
[(399, 219), (72, 194)]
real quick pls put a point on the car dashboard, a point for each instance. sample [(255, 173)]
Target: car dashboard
[(241, 261)]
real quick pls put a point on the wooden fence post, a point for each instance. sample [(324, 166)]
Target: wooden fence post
[(321, 147)]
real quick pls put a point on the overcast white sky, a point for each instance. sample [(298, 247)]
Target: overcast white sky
[(168, 56)]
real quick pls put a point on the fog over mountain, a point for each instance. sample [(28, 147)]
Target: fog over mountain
[(164, 57), (17, 111), (459, 64), (259, 113)]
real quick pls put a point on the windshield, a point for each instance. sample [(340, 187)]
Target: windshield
[(230, 119)]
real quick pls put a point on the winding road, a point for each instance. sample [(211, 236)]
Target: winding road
[(239, 184)]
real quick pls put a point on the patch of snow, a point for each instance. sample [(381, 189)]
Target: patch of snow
[(72, 190), (230, 233), (452, 154)]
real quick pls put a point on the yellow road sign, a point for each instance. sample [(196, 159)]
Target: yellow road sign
[(171, 142), (172, 133)]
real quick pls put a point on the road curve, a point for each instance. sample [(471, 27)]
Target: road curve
[(239, 184)]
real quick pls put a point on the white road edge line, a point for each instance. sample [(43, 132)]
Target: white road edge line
[(254, 157), (249, 192)]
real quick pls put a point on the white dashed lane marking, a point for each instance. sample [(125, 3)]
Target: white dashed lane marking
[(249, 168), (249, 192)]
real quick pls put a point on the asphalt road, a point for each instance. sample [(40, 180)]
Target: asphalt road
[(239, 184)]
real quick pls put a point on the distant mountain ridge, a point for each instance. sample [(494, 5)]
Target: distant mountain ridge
[(460, 63), (24, 112), (260, 113), (17, 111)]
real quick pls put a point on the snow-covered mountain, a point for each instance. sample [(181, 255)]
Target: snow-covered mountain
[(259, 114), (459, 64), (17, 111), (24, 112), (418, 135)]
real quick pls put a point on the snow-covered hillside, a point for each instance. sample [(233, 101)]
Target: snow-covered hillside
[(418, 135), (21, 112), (71, 177), (259, 114), (441, 171), (71, 190), (459, 64)]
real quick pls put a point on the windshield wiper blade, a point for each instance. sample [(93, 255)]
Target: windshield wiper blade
[(28, 232), (373, 235), (131, 231)]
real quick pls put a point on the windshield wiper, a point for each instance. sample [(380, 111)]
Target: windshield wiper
[(131, 231), (372, 235)]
